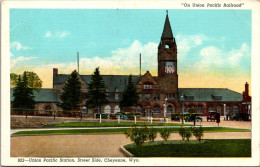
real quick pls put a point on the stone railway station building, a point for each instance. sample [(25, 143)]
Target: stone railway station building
[(155, 92)]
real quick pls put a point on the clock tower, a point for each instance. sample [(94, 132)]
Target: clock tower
[(167, 60)]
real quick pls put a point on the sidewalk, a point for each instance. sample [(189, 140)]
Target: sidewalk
[(99, 145)]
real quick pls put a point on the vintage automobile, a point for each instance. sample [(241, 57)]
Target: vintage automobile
[(211, 116)]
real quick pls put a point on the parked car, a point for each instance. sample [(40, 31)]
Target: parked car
[(113, 116), (124, 117), (211, 116), (191, 117)]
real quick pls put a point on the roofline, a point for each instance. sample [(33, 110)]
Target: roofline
[(103, 75)]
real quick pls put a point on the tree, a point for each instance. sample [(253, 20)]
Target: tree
[(130, 95), (198, 133), (23, 94), (32, 79), (97, 92), (71, 96), (138, 135), (165, 133)]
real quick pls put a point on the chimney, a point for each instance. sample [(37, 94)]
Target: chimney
[(55, 72), (246, 89)]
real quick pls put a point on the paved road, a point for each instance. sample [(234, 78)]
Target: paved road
[(90, 145)]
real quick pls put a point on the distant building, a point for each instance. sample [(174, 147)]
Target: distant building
[(158, 92)]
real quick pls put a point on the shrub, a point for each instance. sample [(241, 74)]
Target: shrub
[(165, 133), (137, 135), (198, 133), (188, 134), (182, 133), (152, 134)]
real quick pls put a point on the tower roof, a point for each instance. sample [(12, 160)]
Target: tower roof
[(167, 30)]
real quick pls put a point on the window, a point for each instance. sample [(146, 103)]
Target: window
[(228, 110), (156, 96), (183, 109), (167, 46), (211, 109), (156, 110), (170, 96), (216, 97), (191, 109), (147, 86), (107, 109), (107, 93), (219, 109), (147, 96), (48, 108), (140, 97), (235, 110), (169, 109), (116, 96), (139, 110), (200, 109), (116, 109)]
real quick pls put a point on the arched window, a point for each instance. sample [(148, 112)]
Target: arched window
[(235, 109), (191, 109), (219, 109), (48, 108), (156, 110), (210, 109), (169, 109), (107, 109), (167, 46), (116, 109), (228, 110), (200, 109), (183, 109), (139, 110)]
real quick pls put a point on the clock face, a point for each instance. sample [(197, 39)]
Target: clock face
[(169, 67)]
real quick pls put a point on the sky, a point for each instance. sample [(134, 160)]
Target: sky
[(214, 46)]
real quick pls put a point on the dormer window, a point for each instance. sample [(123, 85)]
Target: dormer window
[(216, 97), (107, 94), (116, 95)]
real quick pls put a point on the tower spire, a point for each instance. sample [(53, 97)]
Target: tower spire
[(167, 30)]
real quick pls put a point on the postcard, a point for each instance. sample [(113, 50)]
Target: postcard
[(130, 83)]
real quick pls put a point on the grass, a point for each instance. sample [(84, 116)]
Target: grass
[(97, 124), (207, 148), (120, 130)]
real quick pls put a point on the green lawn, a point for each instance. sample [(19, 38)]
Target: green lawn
[(120, 130), (207, 148), (112, 124)]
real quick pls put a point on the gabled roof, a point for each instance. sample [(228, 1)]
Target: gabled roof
[(167, 30), (44, 95), (207, 94), (111, 81)]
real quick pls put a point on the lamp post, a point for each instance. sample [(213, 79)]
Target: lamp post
[(182, 109), (164, 113)]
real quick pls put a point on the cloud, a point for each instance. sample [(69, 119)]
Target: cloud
[(187, 42), (20, 59), (123, 61), (18, 46), (56, 35), (214, 58)]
